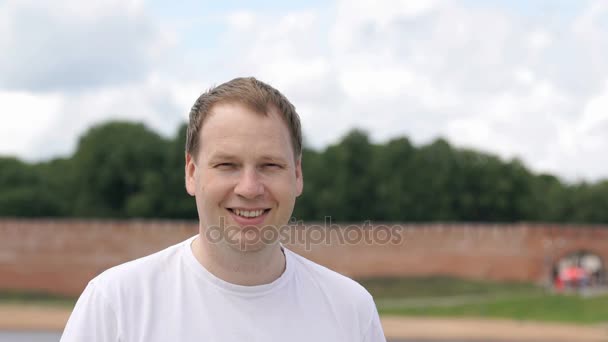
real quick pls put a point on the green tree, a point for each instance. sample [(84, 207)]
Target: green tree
[(123, 169), (347, 189), (118, 167), (308, 204), (176, 201), (23, 192), (394, 176)]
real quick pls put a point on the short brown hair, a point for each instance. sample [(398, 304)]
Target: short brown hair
[(252, 93)]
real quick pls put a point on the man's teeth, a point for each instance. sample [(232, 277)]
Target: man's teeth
[(248, 213)]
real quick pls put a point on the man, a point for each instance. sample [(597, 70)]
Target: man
[(243, 166)]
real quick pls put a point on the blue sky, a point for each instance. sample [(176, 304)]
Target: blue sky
[(525, 79)]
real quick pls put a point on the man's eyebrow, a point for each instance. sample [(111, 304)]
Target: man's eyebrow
[(273, 158), (221, 156)]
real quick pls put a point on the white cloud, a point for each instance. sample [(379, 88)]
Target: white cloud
[(242, 20), (162, 106), (539, 40), (42, 126), (24, 118), (482, 77), (67, 65), (74, 45)]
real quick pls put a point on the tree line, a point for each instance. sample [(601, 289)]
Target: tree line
[(125, 170)]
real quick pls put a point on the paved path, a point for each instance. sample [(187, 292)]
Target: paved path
[(466, 329)]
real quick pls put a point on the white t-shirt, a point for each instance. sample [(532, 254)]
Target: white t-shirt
[(170, 296)]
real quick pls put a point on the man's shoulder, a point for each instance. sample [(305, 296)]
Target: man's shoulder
[(139, 271), (337, 285), (350, 303)]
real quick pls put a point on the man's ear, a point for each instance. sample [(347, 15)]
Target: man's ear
[(299, 177), (190, 174)]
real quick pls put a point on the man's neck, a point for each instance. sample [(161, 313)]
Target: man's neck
[(240, 267)]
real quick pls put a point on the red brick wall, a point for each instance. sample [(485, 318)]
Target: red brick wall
[(60, 256)]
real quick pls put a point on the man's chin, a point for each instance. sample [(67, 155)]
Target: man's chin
[(245, 246)]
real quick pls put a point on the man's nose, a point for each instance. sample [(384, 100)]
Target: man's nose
[(249, 185)]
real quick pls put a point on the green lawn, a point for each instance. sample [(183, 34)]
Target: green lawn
[(37, 298), (440, 287), (448, 297)]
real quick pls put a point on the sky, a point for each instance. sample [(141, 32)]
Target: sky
[(519, 79)]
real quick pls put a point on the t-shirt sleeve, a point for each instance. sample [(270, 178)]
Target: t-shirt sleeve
[(93, 318), (374, 330)]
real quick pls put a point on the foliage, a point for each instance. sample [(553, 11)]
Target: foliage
[(123, 169)]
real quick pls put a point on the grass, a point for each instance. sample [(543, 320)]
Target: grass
[(550, 308), (440, 287), (35, 298), (449, 297)]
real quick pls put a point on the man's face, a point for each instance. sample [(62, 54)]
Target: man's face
[(245, 176)]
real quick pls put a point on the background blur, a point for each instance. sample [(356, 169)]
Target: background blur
[(459, 114)]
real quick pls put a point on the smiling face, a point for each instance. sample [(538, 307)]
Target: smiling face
[(245, 175)]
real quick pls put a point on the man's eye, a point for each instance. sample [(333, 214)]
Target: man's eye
[(225, 165), (272, 166)]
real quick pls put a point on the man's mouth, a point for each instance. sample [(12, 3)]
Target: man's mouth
[(248, 213)]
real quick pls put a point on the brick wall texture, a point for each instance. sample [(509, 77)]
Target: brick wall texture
[(61, 256)]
